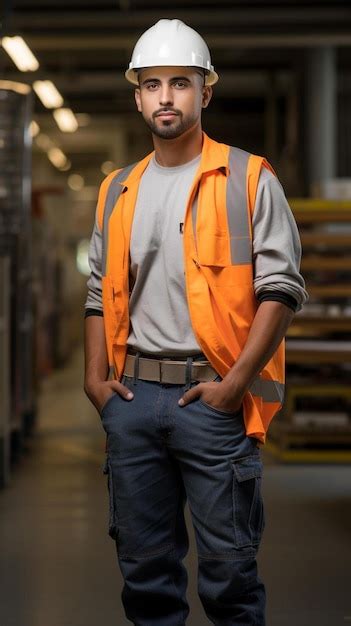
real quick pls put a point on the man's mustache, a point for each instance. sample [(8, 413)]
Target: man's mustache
[(166, 110)]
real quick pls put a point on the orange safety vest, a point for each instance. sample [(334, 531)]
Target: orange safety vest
[(217, 239)]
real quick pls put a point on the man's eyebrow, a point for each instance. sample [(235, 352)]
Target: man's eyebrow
[(150, 80), (171, 80), (185, 78)]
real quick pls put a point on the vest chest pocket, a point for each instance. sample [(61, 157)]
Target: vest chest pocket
[(214, 249), (228, 259), (248, 511)]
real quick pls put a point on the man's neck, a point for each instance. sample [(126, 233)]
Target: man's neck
[(173, 152)]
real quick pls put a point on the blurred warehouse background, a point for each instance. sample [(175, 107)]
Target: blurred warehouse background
[(68, 118)]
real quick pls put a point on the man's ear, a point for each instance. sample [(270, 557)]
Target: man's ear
[(137, 99), (206, 96)]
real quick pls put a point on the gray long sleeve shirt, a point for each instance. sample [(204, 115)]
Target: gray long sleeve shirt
[(159, 315)]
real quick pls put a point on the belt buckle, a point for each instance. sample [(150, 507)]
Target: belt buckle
[(162, 365), (171, 373)]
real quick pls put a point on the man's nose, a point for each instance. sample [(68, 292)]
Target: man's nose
[(166, 97)]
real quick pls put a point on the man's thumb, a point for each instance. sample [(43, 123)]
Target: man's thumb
[(123, 391), (190, 395)]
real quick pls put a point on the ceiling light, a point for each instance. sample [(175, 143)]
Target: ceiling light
[(20, 54), (57, 157), (65, 120), (107, 167), (34, 128), (48, 94), (44, 142), (76, 182), (67, 166), (15, 86)]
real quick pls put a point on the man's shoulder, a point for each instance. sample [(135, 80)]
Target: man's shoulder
[(266, 176), (238, 150), (266, 172)]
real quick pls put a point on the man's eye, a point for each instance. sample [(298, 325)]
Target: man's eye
[(152, 85), (180, 84)]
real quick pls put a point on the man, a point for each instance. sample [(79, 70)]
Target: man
[(195, 279)]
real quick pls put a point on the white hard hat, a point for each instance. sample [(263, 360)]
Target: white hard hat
[(171, 43)]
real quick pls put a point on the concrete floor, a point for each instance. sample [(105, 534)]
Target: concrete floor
[(58, 565)]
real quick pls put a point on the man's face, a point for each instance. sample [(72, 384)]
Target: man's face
[(171, 99)]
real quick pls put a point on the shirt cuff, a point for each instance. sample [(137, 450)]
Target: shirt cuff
[(89, 312), (278, 296)]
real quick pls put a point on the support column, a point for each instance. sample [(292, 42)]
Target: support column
[(271, 120), (321, 111)]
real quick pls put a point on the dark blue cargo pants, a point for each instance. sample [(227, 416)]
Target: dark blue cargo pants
[(159, 454)]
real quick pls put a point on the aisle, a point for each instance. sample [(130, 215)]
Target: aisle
[(58, 565)]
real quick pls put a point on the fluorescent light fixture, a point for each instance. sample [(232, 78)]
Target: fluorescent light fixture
[(107, 167), (14, 86), (67, 166), (76, 182), (48, 94), (34, 128), (20, 54), (66, 120), (57, 157), (44, 142)]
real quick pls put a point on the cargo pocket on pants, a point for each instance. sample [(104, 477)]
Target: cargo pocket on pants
[(248, 510), (112, 524)]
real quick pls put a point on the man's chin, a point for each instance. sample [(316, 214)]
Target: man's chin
[(168, 132)]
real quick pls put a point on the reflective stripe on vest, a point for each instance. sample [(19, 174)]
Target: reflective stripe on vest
[(268, 390), (114, 191), (237, 209)]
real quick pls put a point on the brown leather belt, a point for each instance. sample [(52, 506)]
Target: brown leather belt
[(169, 371)]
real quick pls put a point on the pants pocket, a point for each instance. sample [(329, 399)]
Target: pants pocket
[(112, 523), (248, 509), (219, 411), (108, 401), (218, 379)]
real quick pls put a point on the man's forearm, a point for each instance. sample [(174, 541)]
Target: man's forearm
[(96, 361), (268, 329)]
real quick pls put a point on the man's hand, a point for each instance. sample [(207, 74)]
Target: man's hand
[(268, 328), (216, 395), (99, 392), (97, 388)]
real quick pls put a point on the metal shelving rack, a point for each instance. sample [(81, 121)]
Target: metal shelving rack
[(15, 244), (315, 422), (5, 432)]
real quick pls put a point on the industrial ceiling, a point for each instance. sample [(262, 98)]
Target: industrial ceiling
[(84, 47)]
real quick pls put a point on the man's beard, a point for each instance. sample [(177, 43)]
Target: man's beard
[(171, 130)]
